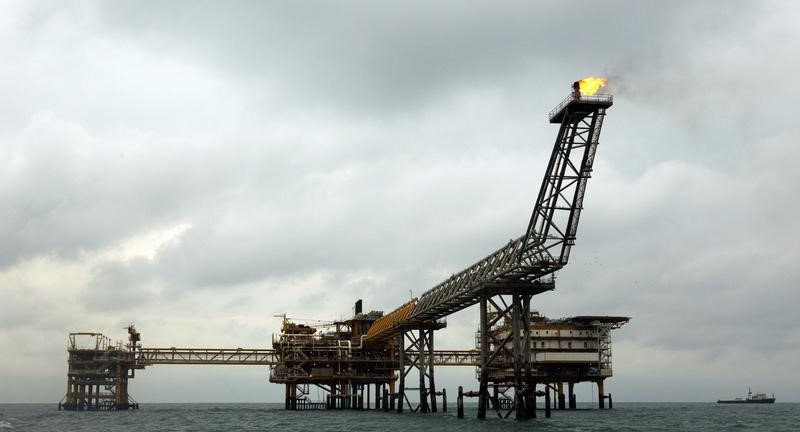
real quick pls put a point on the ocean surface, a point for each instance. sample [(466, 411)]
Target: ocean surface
[(272, 417)]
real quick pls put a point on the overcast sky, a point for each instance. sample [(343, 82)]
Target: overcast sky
[(198, 167)]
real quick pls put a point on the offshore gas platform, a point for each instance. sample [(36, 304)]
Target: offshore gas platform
[(519, 355)]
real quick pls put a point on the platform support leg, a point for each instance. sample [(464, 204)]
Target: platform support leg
[(460, 402), (601, 395), (401, 392), (547, 401), (483, 385), (571, 391)]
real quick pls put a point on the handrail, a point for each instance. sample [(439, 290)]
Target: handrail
[(595, 98)]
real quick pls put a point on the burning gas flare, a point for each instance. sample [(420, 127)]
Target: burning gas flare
[(591, 85)]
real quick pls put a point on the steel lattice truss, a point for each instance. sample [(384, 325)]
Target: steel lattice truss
[(241, 356), (449, 357), (521, 265), (270, 357), (423, 362), (505, 350)]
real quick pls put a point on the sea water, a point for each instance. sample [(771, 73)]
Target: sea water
[(272, 417)]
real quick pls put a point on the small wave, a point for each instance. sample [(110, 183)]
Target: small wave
[(5, 425)]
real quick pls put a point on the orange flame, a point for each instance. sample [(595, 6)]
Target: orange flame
[(591, 85)]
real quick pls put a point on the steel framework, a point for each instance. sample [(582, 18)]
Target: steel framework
[(98, 373), (372, 348), (418, 354), (524, 267), (519, 266), (269, 357), (501, 353), (207, 356)]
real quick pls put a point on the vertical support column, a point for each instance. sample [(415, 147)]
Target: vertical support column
[(561, 398), (460, 402), (385, 399), (293, 396), (402, 349), (75, 392), (422, 365), (431, 380), (125, 403), (547, 401), (483, 385), (392, 394), (516, 343), (601, 394), (610, 402), (571, 391), (118, 388), (530, 384), (444, 400), (68, 394)]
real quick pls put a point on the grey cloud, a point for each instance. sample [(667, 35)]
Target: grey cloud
[(366, 150), (391, 56), (117, 286)]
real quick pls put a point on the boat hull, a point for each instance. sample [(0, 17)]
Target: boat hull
[(751, 401)]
